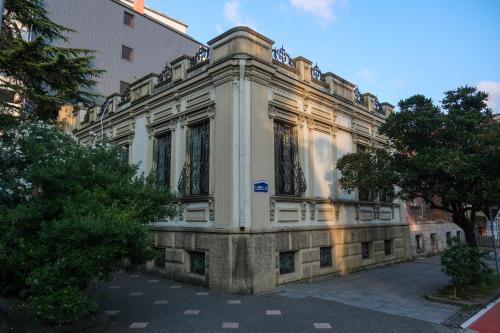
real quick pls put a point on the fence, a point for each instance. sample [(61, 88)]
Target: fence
[(487, 241)]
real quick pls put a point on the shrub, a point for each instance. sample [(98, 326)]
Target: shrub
[(464, 265), (68, 215), (60, 307)]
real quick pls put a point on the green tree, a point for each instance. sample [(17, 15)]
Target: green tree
[(44, 74), (448, 155), (68, 215)]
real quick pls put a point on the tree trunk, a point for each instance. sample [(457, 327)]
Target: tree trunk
[(467, 226)]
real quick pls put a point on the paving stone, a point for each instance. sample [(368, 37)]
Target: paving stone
[(322, 325), (175, 287), (153, 281), (202, 293), (135, 294), (273, 312), (230, 325), (161, 302), (234, 301), (111, 312), (139, 325), (192, 312)]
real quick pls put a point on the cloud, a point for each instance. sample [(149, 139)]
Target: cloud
[(320, 8), (365, 74), (493, 90), (232, 12)]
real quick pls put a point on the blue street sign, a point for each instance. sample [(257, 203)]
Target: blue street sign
[(260, 186)]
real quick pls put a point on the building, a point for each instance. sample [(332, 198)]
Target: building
[(249, 138), (431, 229), (131, 40)]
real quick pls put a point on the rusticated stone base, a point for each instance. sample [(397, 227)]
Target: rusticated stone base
[(248, 262)]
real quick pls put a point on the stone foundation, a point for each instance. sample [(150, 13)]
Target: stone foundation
[(428, 246), (248, 263)]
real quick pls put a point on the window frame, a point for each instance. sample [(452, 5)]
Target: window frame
[(130, 23), (195, 181), (287, 161), (130, 51), (365, 254), (329, 262), (281, 258), (158, 144)]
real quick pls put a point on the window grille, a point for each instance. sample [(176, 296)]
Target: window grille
[(197, 262), (365, 250), (325, 257), (162, 155), (388, 247), (195, 173), (287, 262), (289, 178)]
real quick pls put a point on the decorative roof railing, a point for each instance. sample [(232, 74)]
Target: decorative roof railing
[(166, 74), (378, 107), (316, 73), (360, 99), (282, 57), (202, 55)]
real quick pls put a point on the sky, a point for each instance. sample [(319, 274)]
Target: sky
[(391, 48)]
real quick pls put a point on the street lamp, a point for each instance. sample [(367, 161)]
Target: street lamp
[(491, 212)]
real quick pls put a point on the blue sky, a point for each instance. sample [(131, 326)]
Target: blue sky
[(393, 49)]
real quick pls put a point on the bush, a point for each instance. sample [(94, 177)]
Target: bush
[(68, 215), (60, 307), (464, 265)]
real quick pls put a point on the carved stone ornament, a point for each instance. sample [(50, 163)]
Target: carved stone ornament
[(303, 210), (272, 111), (180, 211), (211, 210), (312, 210), (272, 210)]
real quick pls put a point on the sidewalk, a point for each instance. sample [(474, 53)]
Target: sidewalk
[(397, 289)]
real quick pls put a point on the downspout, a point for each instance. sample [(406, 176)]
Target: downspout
[(241, 145)]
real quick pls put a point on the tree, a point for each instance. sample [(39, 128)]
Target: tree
[(69, 214), (449, 156), (45, 75)]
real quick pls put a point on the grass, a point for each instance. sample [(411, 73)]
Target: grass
[(476, 293)]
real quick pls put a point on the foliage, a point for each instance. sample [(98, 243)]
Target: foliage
[(41, 70), (69, 213), (62, 306), (449, 156), (464, 265)]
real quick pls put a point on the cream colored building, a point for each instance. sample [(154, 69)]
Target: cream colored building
[(249, 138)]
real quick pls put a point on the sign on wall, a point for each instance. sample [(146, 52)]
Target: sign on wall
[(260, 186)]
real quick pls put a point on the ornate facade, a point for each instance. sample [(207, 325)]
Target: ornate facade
[(249, 138)]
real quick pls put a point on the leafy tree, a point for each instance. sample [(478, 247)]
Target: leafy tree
[(44, 74), (68, 215), (449, 156)]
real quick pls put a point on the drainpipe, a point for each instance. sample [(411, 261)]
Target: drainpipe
[(241, 146)]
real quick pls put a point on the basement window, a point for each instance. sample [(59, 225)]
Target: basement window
[(420, 243), (325, 257), (197, 262), (388, 247), (160, 261), (287, 262), (365, 250)]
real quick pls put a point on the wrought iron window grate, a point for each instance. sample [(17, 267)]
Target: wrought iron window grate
[(388, 247), (197, 262), (195, 173), (365, 250), (162, 156), (325, 257), (287, 262), (289, 178), (160, 261)]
